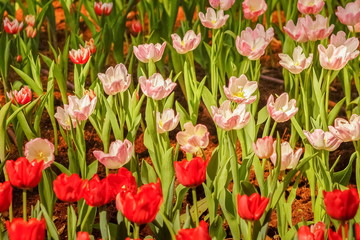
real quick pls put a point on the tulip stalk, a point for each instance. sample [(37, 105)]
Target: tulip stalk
[(136, 231), (196, 212), (24, 205)]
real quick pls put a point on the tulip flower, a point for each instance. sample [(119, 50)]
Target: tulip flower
[(251, 207), (321, 140), (199, 233), (253, 9), (6, 195), (335, 58), (146, 52), (103, 8), (188, 43), (30, 20), (222, 4), (143, 206), (39, 149), (191, 173), (119, 154), (350, 15), (212, 19), (356, 29), (289, 158), (240, 90), (167, 121), (252, 43), (30, 31), (23, 173), (91, 46), (341, 205), (122, 181), (346, 131), (18, 59), (332, 235), (263, 148), (19, 229), (79, 56), (82, 236), (310, 6), (135, 27), (12, 27), (296, 32), (69, 188), (281, 110), (156, 87), (227, 119), (315, 232), (23, 96), (317, 29), (81, 109), (97, 192), (65, 120), (193, 138), (115, 79), (350, 43), (296, 64)]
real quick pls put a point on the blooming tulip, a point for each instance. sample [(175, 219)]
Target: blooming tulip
[(82, 236), (39, 149), (323, 140), (189, 42), (30, 20), (350, 43), (253, 9), (147, 52), (69, 188), (332, 235), (281, 110), (315, 232), (103, 8), (24, 174), (334, 58), (81, 109), (212, 19), (310, 6), (30, 31), (346, 131), (23, 96), (317, 29), (97, 192), (191, 173), (65, 120), (289, 158), (222, 4), (199, 233), (143, 206), (251, 207), (79, 56), (122, 181), (167, 121), (341, 205), (263, 148), (350, 15), (252, 43), (193, 138), (227, 119), (12, 27), (240, 90), (296, 32), (6, 195), (298, 63), (156, 87), (19, 229), (115, 79), (91, 45)]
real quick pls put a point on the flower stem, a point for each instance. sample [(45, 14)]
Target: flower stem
[(250, 229), (24, 205), (273, 129), (195, 206), (136, 231)]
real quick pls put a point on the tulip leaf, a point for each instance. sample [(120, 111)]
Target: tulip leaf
[(148, 174), (216, 229), (92, 169), (229, 210), (3, 116), (335, 111), (343, 177), (49, 223), (29, 81), (62, 168)]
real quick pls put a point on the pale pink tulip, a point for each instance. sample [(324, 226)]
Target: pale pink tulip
[(350, 15), (65, 120), (222, 4), (156, 87), (167, 121), (351, 44), (335, 58), (317, 29), (103, 8), (289, 158), (281, 110), (296, 32), (240, 90), (296, 64), (229, 119), (263, 148), (193, 138), (119, 154), (39, 149), (252, 43), (79, 56), (254, 8), (30, 31), (81, 109), (310, 6), (321, 140), (213, 19), (146, 52), (30, 20), (115, 79), (347, 131), (189, 42)]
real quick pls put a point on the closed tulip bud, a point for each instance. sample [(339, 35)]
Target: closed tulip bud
[(30, 31), (6, 195), (188, 43), (135, 27), (251, 207), (39, 149), (30, 20), (199, 233), (19, 58), (341, 205), (289, 158), (321, 140), (167, 121), (79, 56), (315, 232), (19, 229), (297, 63), (12, 27), (263, 148), (81, 109), (346, 131), (156, 87), (191, 173), (82, 236), (115, 79), (193, 138), (213, 19), (254, 8), (281, 110), (350, 15), (69, 188), (23, 96), (240, 90), (147, 52), (222, 4), (103, 8), (310, 6)]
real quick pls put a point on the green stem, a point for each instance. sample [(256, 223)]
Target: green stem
[(273, 129), (24, 205), (343, 232), (203, 154), (305, 104), (250, 229), (136, 231), (327, 91), (88, 212), (195, 206), (106, 171)]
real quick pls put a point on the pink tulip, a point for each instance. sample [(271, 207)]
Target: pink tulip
[(355, 28), (296, 32), (229, 119), (317, 29), (79, 56), (189, 43), (23, 96), (296, 64), (81, 109), (263, 148), (347, 131), (323, 140), (351, 44), (222, 4), (115, 79), (335, 58), (30, 20), (289, 158), (156, 87), (252, 43), (310, 6), (103, 8), (39, 149), (145, 52), (65, 120), (12, 27), (213, 19), (119, 154), (350, 15), (167, 121), (253, 8), (240, 90), (30, 31), (281, 110), (193, 138)]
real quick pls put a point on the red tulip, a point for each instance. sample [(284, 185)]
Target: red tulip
[(69, 188), (341, 205), (83, 236), (191, 173), (315, 232), (19, 229), (103, 8), (135, 27), (199, 233), (23, 96), (357, 231), (79, 56), (97, 192), (251, 207), (332, 235), (5, 196), (24, 174), (123, 181), (141, 207)]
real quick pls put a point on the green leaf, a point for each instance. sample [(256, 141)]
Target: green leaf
[(51, 228)]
